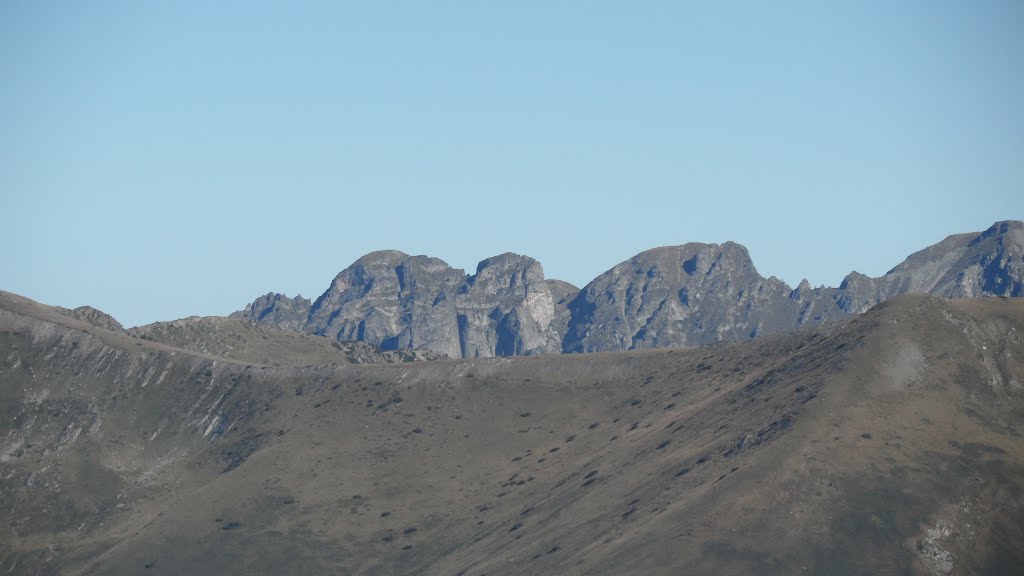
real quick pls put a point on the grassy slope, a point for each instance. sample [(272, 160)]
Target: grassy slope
[(891, 445)]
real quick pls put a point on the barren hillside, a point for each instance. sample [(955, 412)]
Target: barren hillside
[(889, 445)]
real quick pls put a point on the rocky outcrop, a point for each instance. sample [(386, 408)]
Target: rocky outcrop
[(666, 297), (508, 309), (396, 301), (391, 300), (961, 266), (678, 296), (701, 293), (95, 317), (277, 310)]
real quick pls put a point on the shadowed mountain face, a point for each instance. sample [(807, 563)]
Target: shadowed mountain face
[(666, 297), (887, 445)]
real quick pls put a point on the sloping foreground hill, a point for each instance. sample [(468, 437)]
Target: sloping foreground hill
[(239, 339), (891, 445), (215, 336)]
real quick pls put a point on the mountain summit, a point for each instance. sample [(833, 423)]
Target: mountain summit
[(671, 296), (397, 301), (677, 296)]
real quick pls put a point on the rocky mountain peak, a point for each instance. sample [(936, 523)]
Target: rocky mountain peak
[(801, 289), (507, 309), (391, 300), (854, 280), (383, 269), (670, 296), (694, 258), (396, 301), (1011, 230), (964, 266), (277, 310), (507, 271), (384, 257)]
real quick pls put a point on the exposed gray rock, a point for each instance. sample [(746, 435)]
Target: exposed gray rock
[(95, 317), (396, 302), (701, 293), (508, 309), (666, 297), (277, 310), (678, 296), (563, 294), (961, 266)]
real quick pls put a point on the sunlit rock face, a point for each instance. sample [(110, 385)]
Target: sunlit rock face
[(679, 296), (672, 296), (508, 309), (396, 301)]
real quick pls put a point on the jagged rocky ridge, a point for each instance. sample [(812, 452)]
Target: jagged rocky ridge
[(666, 297), (396, 301)]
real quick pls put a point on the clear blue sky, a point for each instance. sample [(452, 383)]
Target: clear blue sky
[(165, 159)]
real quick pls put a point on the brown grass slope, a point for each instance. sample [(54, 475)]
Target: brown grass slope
[(891, 445)]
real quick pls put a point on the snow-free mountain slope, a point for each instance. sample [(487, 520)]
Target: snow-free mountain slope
[(672, 296), (890, 444)]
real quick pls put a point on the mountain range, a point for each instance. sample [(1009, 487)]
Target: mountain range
[(850, 430), (666, 297)]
